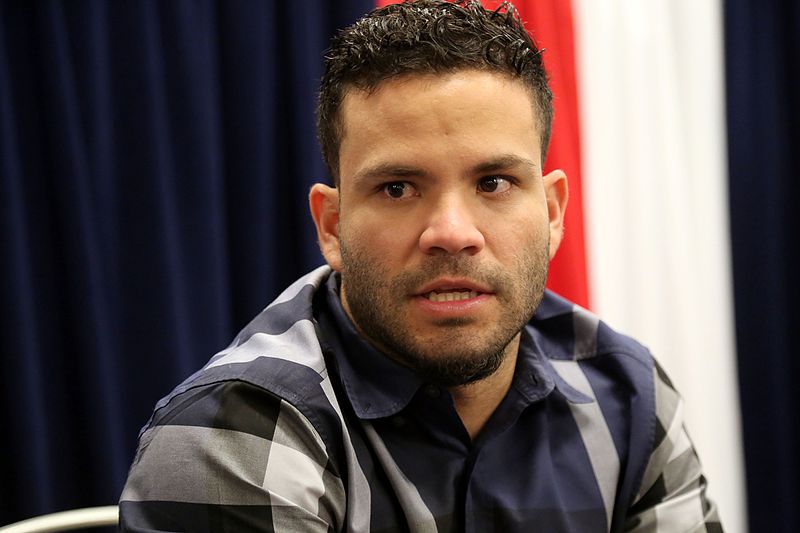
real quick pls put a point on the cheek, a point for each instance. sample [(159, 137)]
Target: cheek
[(524, 231), (361, 234), (380, 235), (364, 247)]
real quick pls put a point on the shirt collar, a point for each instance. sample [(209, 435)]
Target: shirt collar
[(536, 377), (378, 386)]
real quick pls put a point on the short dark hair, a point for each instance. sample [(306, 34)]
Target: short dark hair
[(424, 37)]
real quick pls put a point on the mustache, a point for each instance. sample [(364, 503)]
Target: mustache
[(452, 266)]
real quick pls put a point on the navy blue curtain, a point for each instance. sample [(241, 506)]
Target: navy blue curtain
[(763, 78), (155, 159)]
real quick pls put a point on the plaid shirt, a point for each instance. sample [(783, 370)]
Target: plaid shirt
[(299, 426)]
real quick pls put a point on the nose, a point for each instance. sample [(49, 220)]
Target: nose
[(450, 228)]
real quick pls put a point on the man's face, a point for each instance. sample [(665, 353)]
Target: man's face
[(443, 225)]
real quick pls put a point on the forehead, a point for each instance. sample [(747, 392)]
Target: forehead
[(464, 114), (401, 91)]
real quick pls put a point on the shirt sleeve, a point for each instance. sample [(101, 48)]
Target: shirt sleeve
[(672, 497), (231, 457)]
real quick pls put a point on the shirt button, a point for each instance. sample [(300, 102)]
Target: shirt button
[(433, 391)]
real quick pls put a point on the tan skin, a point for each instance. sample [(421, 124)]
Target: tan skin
[(443, 165)]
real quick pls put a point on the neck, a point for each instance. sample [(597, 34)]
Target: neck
[(476, 402)]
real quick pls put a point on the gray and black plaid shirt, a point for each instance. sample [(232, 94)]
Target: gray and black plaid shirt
[(301, 426)]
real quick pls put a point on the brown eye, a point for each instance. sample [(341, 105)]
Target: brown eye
[(493, 184), (398, 190)]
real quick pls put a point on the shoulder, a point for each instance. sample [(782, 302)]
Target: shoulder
[(258, 426), (618, 376), (611, 368), (660, 481), (232, 424), (565, 331), (233, 454), (276, 358)]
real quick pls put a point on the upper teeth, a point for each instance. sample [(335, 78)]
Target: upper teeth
[(451, 296)]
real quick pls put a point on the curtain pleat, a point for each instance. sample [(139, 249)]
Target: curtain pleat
[(155, 160), (21, 335), (763, 113)]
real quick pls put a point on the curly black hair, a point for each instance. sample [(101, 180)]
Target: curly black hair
[(424, 37)]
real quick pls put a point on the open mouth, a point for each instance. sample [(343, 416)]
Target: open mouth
[(451, 295), (453, 289)]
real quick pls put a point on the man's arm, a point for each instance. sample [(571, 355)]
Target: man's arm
[(231, 457), (672, 494)]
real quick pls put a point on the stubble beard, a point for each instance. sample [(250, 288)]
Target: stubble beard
[(462, 351)]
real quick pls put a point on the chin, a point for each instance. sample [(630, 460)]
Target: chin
[(455, 368)]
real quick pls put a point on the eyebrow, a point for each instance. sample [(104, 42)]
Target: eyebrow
[(388, 170), (395, 170), (503, 162)]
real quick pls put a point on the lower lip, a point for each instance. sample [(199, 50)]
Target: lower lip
[(454, 308)]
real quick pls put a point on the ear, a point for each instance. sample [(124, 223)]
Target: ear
[(557, 193), (324, 203)]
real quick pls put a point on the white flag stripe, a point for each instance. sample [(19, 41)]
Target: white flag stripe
[(653, 134)]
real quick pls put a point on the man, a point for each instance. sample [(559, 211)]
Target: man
[(425, 380)]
